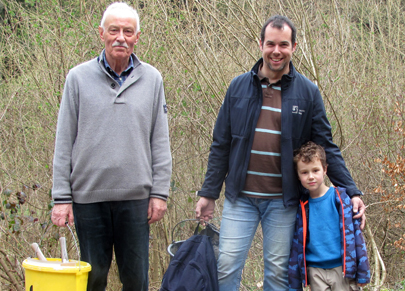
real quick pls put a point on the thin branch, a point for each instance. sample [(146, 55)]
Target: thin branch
[(379, 266), (11, 277)]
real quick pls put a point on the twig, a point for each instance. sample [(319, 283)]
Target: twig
[(9, 102), (379, 278), (9, 274), (381, 202)]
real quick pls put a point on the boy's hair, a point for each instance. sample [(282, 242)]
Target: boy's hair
[(309, 152)]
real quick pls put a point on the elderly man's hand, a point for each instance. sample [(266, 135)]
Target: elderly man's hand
[(358, 206), (156, 210), (62, 213)]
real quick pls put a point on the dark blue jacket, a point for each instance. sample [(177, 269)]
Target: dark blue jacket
[(353, 248), (303, 118), (193, 267)]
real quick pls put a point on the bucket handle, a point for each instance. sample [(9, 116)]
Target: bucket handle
[(77, 248)]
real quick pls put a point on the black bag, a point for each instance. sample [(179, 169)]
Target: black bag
[(209, 230), (193, 266)]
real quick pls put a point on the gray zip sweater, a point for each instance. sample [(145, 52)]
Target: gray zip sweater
[(112, 142)]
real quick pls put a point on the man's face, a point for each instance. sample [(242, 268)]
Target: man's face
[(277, 50), (119, 37)]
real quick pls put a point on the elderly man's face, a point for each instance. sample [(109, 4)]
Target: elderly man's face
[(119, 37)]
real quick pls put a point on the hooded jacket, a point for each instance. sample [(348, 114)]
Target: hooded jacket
[(353, 247), (303, 118)]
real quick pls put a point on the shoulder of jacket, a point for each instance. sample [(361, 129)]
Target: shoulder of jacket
[(300, 78), (343, 194), (243, 77), (241, 81)]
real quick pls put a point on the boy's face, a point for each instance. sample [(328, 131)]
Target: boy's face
[(311, 176)]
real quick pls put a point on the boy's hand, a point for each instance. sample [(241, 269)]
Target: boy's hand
[(359, 208)]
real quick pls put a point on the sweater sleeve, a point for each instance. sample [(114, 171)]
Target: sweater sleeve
[(322, 135), (160, 148), (66, 132)]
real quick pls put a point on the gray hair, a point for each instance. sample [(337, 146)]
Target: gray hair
[(121, 9)]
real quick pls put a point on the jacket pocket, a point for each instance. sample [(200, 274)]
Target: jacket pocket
[(241, 116)]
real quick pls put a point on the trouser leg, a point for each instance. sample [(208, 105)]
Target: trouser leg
[(238, 226), (131, 243), (278, 225), (95, 232)]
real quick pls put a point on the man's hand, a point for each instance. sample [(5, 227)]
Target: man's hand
[(156, 210), (62, 213), (358, 206), (204, 210)]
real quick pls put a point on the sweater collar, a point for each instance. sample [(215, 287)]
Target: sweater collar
[(134, 62)]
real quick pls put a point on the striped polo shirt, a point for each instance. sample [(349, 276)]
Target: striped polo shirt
[(263, 178)]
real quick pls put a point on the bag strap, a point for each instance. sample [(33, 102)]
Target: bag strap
[(196, 231)]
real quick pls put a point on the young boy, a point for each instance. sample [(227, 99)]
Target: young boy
[(328, 250)]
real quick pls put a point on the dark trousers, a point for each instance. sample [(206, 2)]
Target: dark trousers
[(122, 224)]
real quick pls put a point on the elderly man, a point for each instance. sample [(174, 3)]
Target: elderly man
[(112, 162), (267, 113)]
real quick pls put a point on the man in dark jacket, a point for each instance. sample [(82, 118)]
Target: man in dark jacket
[(267, 113)]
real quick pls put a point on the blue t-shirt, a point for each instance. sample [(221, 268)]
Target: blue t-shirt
[(324, 243)]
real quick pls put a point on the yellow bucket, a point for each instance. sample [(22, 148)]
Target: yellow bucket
[(54, 275)]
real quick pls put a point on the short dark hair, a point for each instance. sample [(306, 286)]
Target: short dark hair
[(278, 21), (309, 152)]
